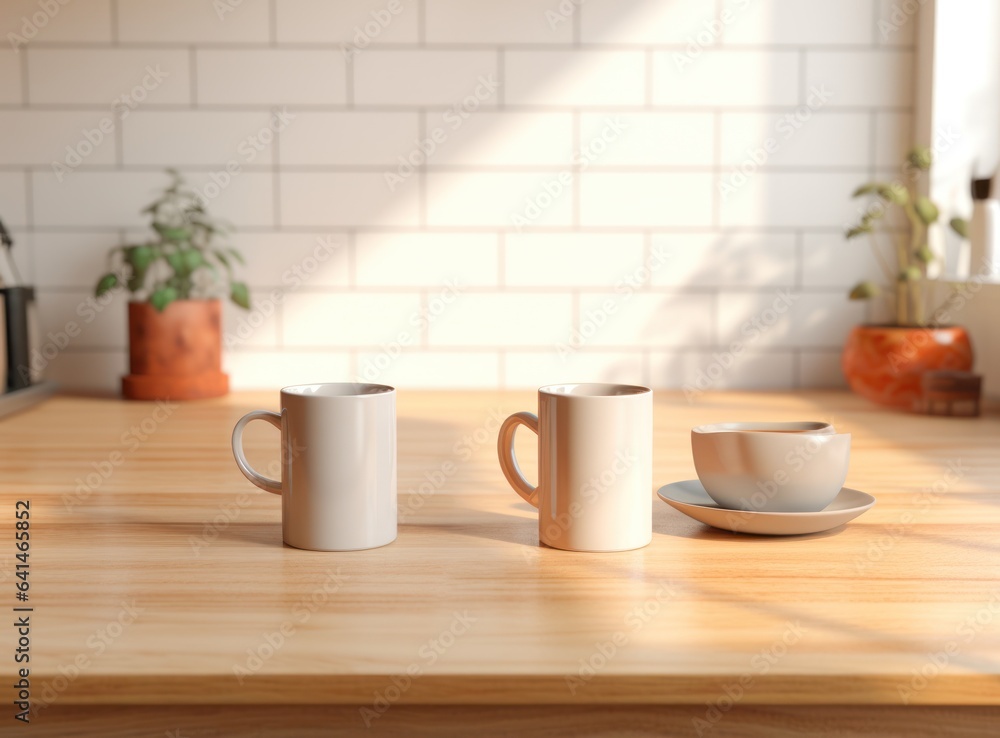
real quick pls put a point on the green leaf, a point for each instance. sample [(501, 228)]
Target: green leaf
[(864, 291), (239, 294), (222, 259), (237, 255), (858, 230), (176, 261), (960, 226), (910, 274), (105, 283), (192, 259), (894, 192), (924, 254), (140, 257), (920, 157), (162, 297), (867, 189), (926, 209)]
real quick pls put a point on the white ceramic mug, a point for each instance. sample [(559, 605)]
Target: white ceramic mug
[(338, 465), (595, 465)]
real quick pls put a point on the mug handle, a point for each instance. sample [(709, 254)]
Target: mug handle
[(270, 485), (508, 462)]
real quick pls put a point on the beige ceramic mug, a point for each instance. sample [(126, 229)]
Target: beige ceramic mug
[(338, 459), (595, 461)]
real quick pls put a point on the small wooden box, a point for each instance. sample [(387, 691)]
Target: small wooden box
[(950, 393)]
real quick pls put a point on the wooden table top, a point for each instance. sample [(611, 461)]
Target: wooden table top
[(158, 575)]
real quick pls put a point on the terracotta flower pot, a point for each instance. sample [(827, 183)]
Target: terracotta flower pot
[(175, 354), (884, 363)]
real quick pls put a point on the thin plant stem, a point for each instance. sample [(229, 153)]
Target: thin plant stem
[(902, 293), (886, 270), (916, 287)]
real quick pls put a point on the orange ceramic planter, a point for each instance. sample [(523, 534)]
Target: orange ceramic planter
[(175, 354), (884, 363)]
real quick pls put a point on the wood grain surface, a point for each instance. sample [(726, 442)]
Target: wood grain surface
[(158, 576)]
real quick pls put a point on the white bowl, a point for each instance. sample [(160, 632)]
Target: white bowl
[(771, 467)]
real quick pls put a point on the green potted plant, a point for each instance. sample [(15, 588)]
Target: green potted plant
[(884, 363), (176, 278)]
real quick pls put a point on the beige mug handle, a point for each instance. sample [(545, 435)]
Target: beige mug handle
[(270, 485), (508, 462)]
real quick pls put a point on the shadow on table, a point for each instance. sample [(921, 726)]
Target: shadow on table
[(486, 524), (702, 532)]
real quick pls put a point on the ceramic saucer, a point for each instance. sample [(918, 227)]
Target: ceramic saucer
[(691, 499)]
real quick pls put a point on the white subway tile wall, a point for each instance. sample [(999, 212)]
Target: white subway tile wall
[(467, 193)]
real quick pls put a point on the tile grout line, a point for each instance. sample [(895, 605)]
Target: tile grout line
[(636, 48), (425, 338), (716, 216), (120, 143), (422, 172), (576, 309), (441, 107), (279, 324), (25, 95), (647, 259), (352, 259), (872, 142), (501, 78), (29, 202), (634, 351), (193, 76), (800, 252), (552, 169), (714, 325), (276, 175), (575, 193), (272, 21), (648, 70), (489, 228), (113, 12), (349, 77), (501, 260), (551, 290), (875, 21), (803, 76)]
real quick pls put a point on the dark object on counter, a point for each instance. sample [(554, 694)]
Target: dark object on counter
[(5, 240), (16, 304), (950, 393)]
